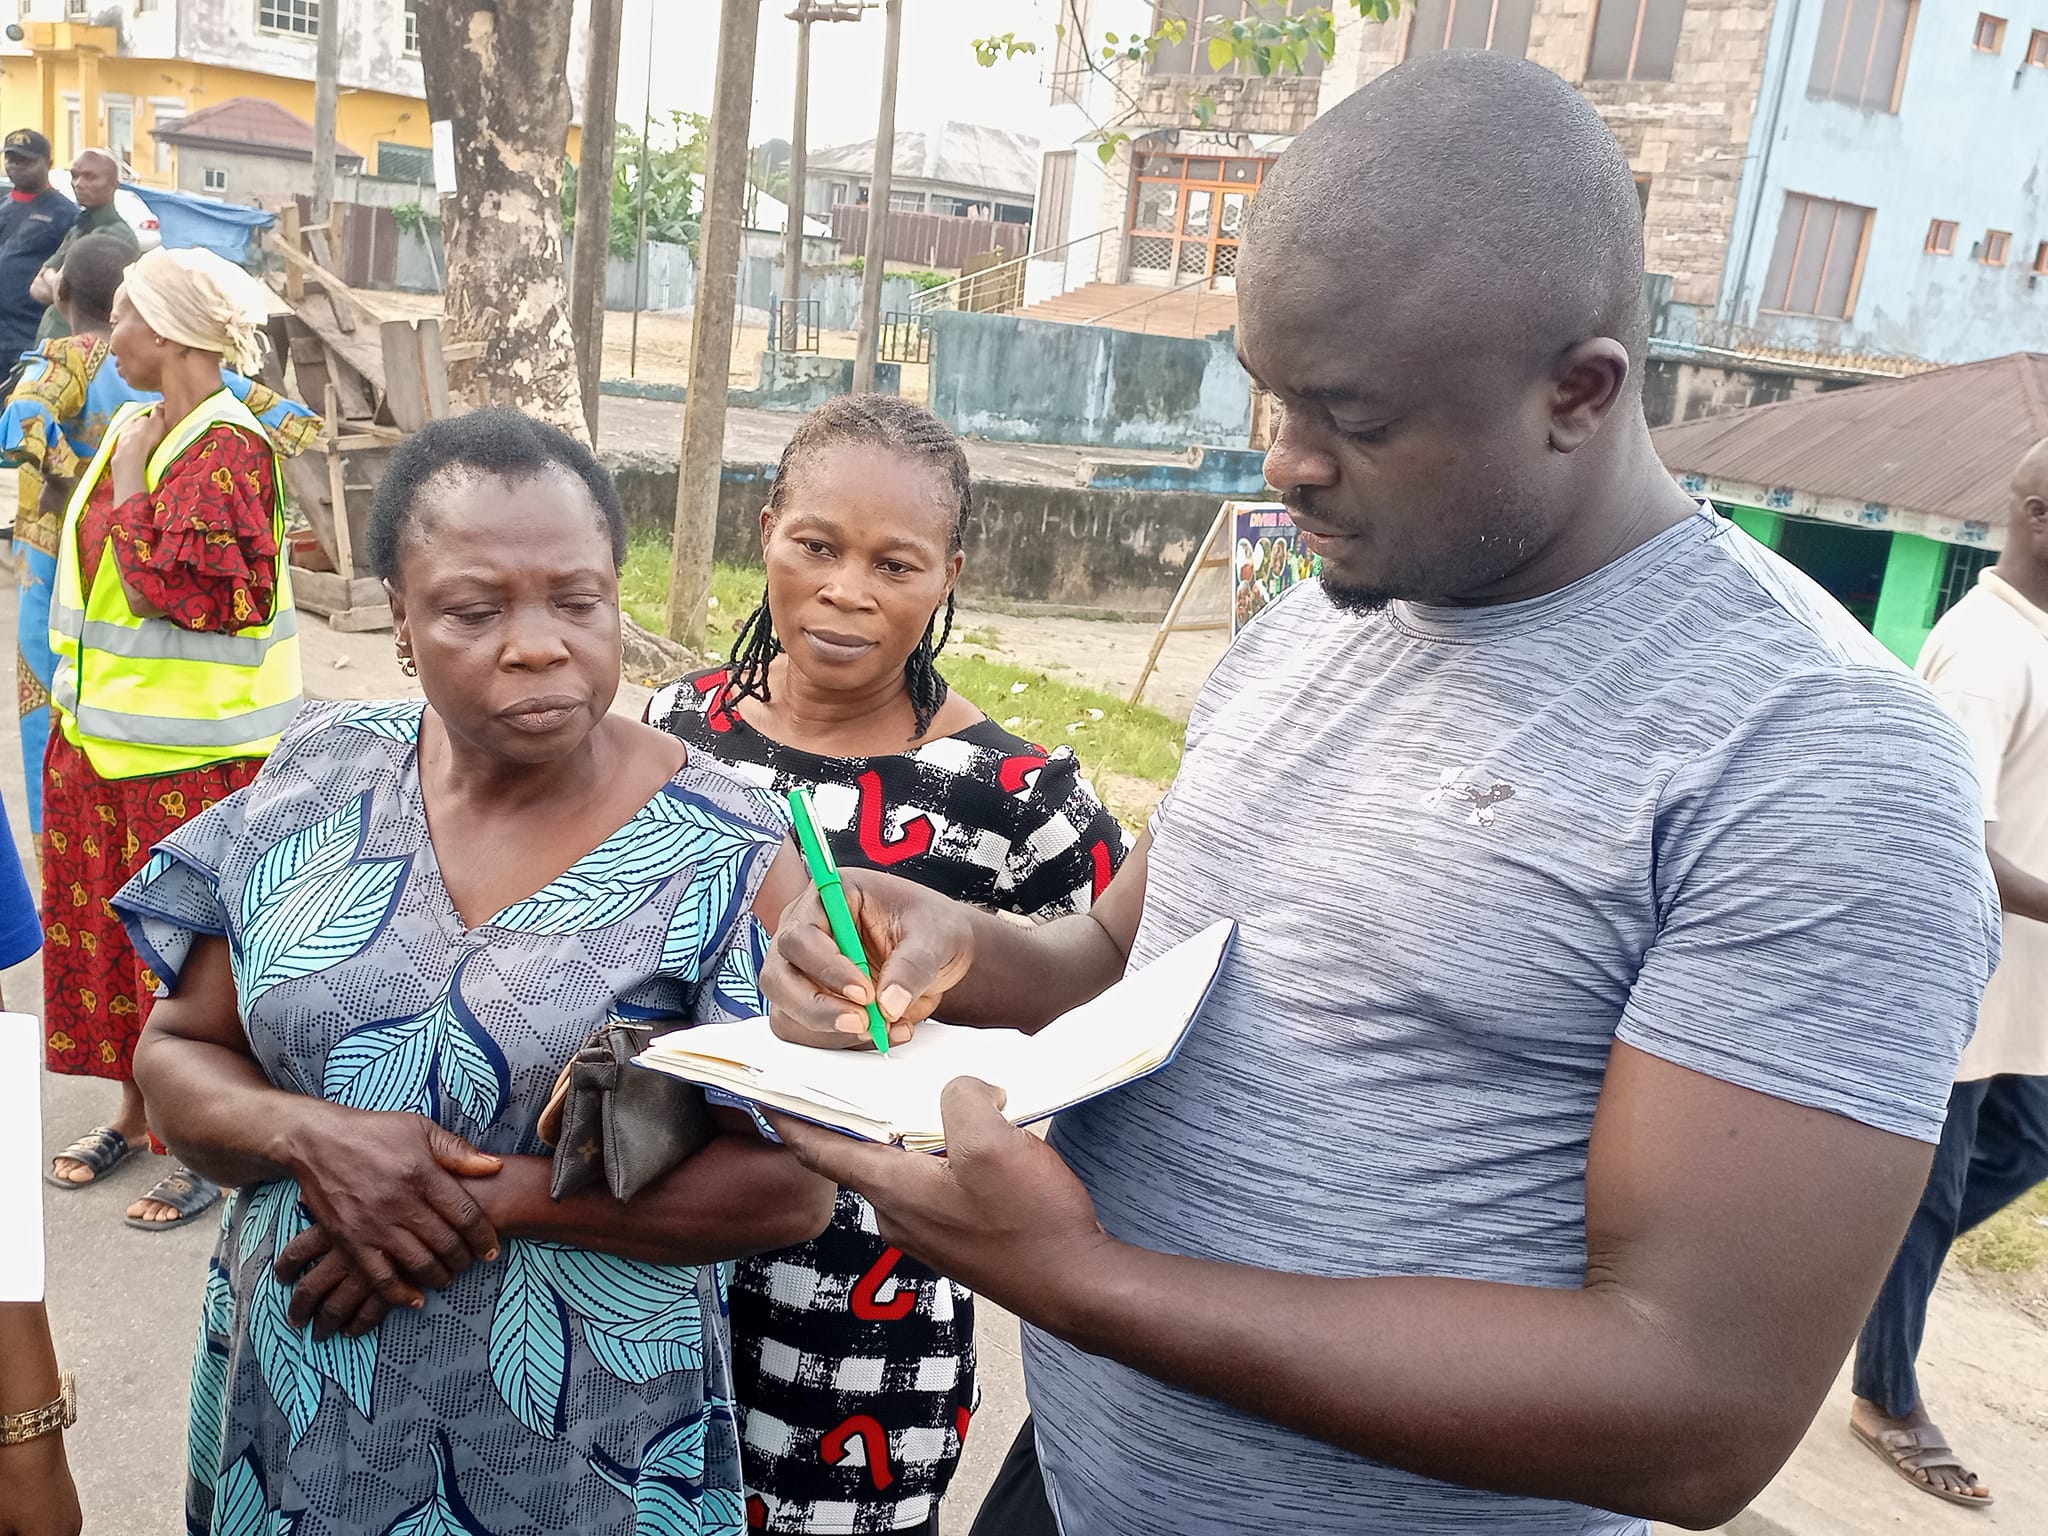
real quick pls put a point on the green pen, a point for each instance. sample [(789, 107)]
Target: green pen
[(825, 875)]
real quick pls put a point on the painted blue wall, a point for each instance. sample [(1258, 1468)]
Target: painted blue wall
[(1037, 381), (1969, 143)]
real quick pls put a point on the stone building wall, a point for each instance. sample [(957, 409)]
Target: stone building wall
[(1688, 135)]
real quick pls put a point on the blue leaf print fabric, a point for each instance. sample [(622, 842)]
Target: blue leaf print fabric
[(556, 1389), (670, 1497)]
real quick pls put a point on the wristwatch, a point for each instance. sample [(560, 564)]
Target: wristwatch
[(61, 1414)]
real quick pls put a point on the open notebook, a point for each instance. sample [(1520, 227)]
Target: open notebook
[(1129, 1032)]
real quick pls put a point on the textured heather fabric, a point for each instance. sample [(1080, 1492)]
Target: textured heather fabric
[(1685, 803)]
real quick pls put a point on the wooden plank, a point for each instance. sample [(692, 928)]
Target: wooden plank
[(343, 300), (322, 249), (461, 351), (434, 368), (405, 391), (294, 280), (1214, 545), (348, 354), (337, 490), (308, 482), (348, 606)]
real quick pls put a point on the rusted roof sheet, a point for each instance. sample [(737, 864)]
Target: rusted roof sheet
[(249, 122), (1943, 442)]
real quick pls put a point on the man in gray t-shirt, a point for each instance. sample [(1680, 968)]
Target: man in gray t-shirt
[(1613, 913)]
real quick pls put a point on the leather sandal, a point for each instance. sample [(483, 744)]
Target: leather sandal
[(99, 1151), (184, 1192), (1910, 1452)]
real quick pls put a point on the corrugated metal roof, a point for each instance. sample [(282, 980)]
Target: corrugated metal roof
[(960, 154), (1943, 442), (249, 122)]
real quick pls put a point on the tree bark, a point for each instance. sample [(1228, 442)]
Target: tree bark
[(498, 70)]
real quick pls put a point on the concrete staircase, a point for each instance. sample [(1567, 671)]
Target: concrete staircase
[(1132, 307)]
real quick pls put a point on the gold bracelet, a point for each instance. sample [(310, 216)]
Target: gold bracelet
[(15, 1428)]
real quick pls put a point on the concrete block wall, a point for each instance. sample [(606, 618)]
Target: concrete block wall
[(1012, 379), (1689, 134), (1062, 547)]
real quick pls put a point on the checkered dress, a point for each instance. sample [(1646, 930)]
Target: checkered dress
[(854, 1364)]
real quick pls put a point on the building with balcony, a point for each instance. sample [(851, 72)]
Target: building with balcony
[(111, 72), (1823, 179)]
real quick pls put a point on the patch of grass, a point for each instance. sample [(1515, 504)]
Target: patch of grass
[(1115, 740), (643, 591), (2012, 1242)]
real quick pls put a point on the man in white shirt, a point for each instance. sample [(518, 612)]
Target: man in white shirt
[(1988, 661)]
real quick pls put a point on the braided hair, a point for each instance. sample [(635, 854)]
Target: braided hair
[(882, 421)]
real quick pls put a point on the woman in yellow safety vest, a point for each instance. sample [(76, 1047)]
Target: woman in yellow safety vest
[(177, 667)]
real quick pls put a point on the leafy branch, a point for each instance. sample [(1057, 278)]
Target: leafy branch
[(1265, 45)]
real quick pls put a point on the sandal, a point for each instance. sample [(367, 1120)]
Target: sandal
[(1922, 1449), (100, 1151), (184, 1192)]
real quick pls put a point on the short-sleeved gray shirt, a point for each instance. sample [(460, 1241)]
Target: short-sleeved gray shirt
[(1686, 803)]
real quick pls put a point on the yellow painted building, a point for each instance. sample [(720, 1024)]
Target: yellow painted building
[(72, 81)]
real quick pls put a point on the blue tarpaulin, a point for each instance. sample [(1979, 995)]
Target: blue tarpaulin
[(226, 229)]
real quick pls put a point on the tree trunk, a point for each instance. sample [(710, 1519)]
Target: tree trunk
[(498, 70)]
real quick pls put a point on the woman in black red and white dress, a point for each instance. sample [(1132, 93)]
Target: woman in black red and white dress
[(855, 1364)]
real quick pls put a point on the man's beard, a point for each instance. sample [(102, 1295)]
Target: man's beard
[(1505, 538), (1358, 601)]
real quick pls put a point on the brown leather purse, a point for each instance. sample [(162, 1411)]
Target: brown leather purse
[(614, 1123)]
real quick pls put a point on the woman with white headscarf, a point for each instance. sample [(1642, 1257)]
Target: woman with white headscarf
[(177, 667)]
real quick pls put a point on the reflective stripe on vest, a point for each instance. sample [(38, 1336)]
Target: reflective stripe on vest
[(144, 696)]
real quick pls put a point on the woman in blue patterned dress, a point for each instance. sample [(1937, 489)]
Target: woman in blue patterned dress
[(379, 956)]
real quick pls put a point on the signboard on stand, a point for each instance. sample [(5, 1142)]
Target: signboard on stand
[(1266, 559), (1257, 549)]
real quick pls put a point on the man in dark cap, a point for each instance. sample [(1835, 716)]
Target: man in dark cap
[(33, 223)]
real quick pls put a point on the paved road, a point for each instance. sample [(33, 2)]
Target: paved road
[(751, 436)]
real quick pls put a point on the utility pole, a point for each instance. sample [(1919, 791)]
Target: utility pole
[(725, 184), (807, 12), (326, 103), (870, 336), (594, 199)]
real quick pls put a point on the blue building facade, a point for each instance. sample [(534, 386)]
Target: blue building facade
[(1894, 195)]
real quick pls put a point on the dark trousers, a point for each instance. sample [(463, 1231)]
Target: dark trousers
[(1016, 1504), (1994, 1148)]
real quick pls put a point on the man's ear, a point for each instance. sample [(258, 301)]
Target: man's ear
[(1590, 378)]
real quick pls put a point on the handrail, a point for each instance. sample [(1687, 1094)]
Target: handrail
[(1153, 298), (942, 296)]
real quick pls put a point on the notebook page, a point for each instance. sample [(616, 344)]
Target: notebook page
[(1129, 1029), (900, 1090)]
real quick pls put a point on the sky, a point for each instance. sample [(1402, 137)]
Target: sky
[(939, 78)]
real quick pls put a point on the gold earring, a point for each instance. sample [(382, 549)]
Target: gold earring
[(406, 664)]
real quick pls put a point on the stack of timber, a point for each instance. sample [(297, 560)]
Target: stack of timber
[(375, 381)]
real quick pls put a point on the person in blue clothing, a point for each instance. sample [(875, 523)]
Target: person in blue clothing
[(379, 955), (33, 223), (41, 1498)]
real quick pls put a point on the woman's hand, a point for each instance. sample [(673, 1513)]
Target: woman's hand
[(41, 1498), (139, 438), (387, 1192), (919, 943)]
